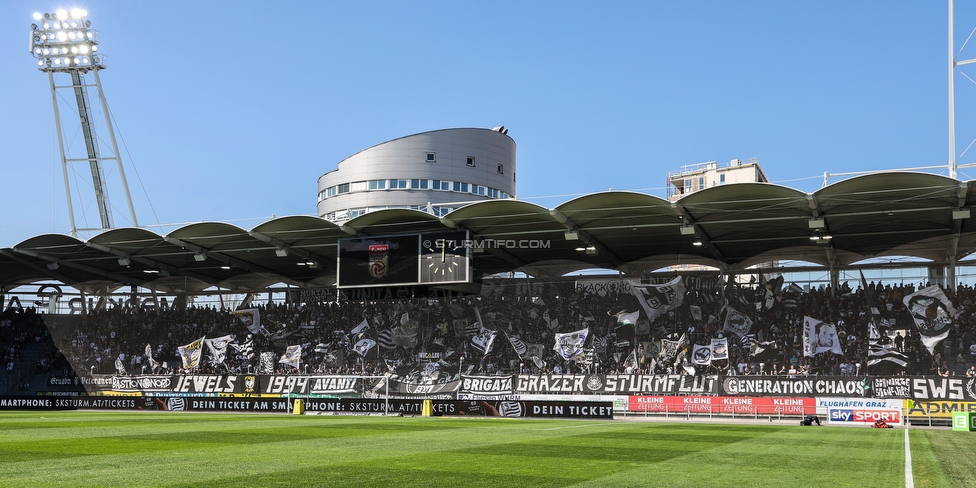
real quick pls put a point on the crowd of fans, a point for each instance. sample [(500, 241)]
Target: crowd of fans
[(104, 340)]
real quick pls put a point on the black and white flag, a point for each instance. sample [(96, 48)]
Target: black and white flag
[(932, 312), (818, 337), (363, 346), (484, 340), (737, 322), (880, 353), (570, 345), (702, 355), (218, 348), (658, 299), (247, 348)]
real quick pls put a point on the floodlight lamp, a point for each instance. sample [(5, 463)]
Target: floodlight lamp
[(581, 248), (591, 250), (38, 16), (960, 213), (225, 267), (688, 229), (816, 223), (124, 261), (53, 265), (281, 252), (61, 14), (200, 256), (572, 235), (697, 242)]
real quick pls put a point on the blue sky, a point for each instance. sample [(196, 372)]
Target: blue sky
[(230, 111)]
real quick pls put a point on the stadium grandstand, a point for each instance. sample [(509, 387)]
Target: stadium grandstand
[(423, 276)]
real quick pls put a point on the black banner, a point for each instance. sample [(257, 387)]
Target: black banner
[(809, 386), (79, 403), (489, 408), (660, 384), (487, 385)]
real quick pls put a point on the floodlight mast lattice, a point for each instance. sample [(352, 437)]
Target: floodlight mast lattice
[(64, 42)]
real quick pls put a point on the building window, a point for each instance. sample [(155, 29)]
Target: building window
[(501, 169), (440, 185), (394, 184), (343, 188), (356, 212), (377, 184), (701, 182), (461, 187), (721, 179), (471, 161), (419, 184), (474, 188), (431, 157)]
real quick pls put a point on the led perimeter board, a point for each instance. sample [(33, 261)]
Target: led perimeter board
[(411, 259)]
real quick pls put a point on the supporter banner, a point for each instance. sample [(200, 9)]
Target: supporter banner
[(214, 384), (97, 382), (915, 387), (806, 386), (915, 409), (491, 408), (487, 385), (310, 385), (623, 383), (63, 381), (925, 388), (723, 405), (143, 383)]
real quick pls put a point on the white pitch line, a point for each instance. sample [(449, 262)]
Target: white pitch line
[(578, 426), (909, 478)]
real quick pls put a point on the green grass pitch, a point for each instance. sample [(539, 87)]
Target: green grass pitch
[(191, 449)]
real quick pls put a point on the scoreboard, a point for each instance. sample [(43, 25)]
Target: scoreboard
[(410, 259)]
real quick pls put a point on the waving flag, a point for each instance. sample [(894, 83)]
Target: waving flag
[(152, 362), (251, 318), (119, 367), (484, 340), (246, 349), (520, 347), (702, 354), (658, 299), (363, 346), (883, 353), (932, 312), (570, 345), (218, 348), (191, 353), (818, 337), (737, 322), (720, 349), (292, 356), (359, 329)]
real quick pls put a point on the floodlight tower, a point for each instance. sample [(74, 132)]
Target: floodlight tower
[(64, 43)]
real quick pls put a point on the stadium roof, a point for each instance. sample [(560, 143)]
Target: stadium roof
[(738, 225)]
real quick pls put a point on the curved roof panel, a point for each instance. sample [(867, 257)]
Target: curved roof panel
[(737, 225)]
